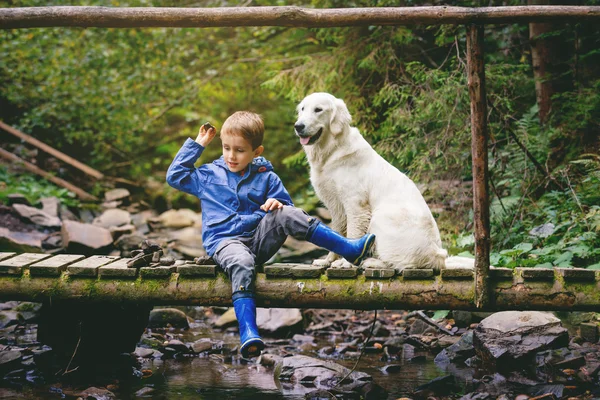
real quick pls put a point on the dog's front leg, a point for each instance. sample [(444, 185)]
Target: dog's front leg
[(338, 224)]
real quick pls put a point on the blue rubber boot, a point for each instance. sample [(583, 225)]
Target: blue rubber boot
[(353, 250), (245, 311)]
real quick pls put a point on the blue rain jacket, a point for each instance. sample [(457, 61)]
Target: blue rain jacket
[(230, 202)]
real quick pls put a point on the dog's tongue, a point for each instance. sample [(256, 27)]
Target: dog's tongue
[(304, 140)]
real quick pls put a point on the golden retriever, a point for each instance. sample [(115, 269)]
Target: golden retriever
[(363, 192)]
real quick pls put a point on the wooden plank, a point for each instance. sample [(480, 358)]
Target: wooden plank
[(278, 270), (307, 271), (117, 269), (157, 272), (192, 270), (54, 266), (180, 17), (15, 265), (577, 274), (416, 274), (60, 182), (479, 151), (457, 273), (89, 266), (342, 273), (44, 147), (6, 255), (379, 273)]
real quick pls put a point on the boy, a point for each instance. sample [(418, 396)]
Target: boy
[(247, 213)]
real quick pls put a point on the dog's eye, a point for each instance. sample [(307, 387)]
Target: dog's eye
[(318, 109)]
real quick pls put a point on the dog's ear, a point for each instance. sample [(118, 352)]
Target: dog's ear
[(340, 117)]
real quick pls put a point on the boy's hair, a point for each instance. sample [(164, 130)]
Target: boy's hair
[(247, 124)]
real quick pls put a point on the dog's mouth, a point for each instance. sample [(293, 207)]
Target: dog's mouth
[(308, 140)]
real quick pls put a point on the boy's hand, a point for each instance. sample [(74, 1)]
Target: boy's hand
[(271, 204), (205, 136)]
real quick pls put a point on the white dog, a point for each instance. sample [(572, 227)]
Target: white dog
[(363, 192)]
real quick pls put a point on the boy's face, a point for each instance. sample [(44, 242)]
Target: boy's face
[(238, 153)]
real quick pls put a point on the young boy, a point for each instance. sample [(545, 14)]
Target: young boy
[(247, 213)]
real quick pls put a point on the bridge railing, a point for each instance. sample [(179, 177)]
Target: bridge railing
[(473, 18)]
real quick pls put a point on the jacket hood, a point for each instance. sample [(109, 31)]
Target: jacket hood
[(257, 164)]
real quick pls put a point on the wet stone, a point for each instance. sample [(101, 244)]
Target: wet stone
[(197, 270), (341, 273), (539, 274), (457, 273), (577, 274), (417, 274), (377, 273), (278, 271)]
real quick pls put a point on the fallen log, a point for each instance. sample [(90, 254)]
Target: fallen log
[(83, 195), (52, 151)]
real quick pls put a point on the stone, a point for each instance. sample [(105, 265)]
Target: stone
[(113, 217), (508, 339), (589, 332), (462, 319), (320, 374), (85, 238), (9, 359), (181, 218), (50, 205), (17, 198), (226, 319), (116, 194), (273, 320), (129, 242), (164, 317), (22, 242), (37, 216), (202, 345), (10, 318), (143, 352), (457, 353)]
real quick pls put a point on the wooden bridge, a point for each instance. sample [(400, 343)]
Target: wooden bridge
[(44, 278)]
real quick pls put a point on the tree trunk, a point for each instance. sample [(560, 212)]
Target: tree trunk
[(550, 55)]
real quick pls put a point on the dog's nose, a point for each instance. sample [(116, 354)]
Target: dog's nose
[(299, 127)]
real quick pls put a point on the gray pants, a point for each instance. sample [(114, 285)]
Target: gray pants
[(238, 256)]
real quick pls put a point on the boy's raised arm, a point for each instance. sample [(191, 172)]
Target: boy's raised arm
[(182, 174)]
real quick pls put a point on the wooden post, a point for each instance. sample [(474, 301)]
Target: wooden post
[(479, 142)]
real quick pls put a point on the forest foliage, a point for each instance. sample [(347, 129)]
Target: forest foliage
[(124, 100)]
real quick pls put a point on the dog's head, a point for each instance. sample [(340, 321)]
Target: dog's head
[(320, 114)]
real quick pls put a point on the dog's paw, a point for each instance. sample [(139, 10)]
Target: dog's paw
[(376, 263), (341, 263), (321, 262)]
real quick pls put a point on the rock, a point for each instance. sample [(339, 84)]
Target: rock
[(66, 214), (29, 311), (52, 241), (226, 319), (17, 198), (163, 317), (180, 218), (145, 391), (50, 205), (112, 218), (509, 340), (9, 359), (589, 331), (9, 318), (37, 216), (97, 394), (116, 194), (462, 319), (202, 345), (129, 242), (140, 220), (143, 352), (188, 241), (318, 373), (458, 352), (442, 386), (85, 238), (22, 242), (303, 338), (272, 320)]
